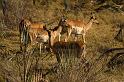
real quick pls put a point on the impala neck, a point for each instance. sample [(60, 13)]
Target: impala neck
[(58, 30), (89, 24)]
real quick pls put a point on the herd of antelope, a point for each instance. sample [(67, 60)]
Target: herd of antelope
[(39, 33)]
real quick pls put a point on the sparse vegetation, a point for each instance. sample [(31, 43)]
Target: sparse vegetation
[(104, 60)]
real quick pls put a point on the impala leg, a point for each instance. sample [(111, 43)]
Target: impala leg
[(84, 38), (75, 37), (31, 35), (40, 47), (84, 51), (59, 36), (51, 41), (68, 35), (32, 39), (20, 39), (44, 46)]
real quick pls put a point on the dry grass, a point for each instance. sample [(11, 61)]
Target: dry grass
[(98, 40)]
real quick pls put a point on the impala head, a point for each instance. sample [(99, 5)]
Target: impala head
[(62, 22), (94, 19), (45, 28), (27, 23)]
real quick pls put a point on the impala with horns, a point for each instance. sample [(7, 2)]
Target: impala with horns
[(77, 27), (24, 25)]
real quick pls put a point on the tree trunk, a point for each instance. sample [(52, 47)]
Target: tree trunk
[(34, 2), (67, 4), (4, 7)]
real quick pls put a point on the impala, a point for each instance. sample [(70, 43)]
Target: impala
[(78, 27), (68, 49), (38, 35), (44, 35), (24, 25), (56, 31)]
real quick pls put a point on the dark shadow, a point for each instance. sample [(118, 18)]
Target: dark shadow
[(117, 60), (67, 49)]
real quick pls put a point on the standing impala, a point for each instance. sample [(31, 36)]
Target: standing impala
[(43, 36), (38, 35), (24, 25), (56, 31), (78, 27), (67, 49)]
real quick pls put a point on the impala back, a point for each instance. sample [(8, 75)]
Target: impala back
[(67, 50)]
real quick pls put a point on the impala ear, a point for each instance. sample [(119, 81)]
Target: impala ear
[(93, 15), (44, 27)]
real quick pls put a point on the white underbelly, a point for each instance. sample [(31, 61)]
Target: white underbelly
[(77, 30), (43, 38)]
